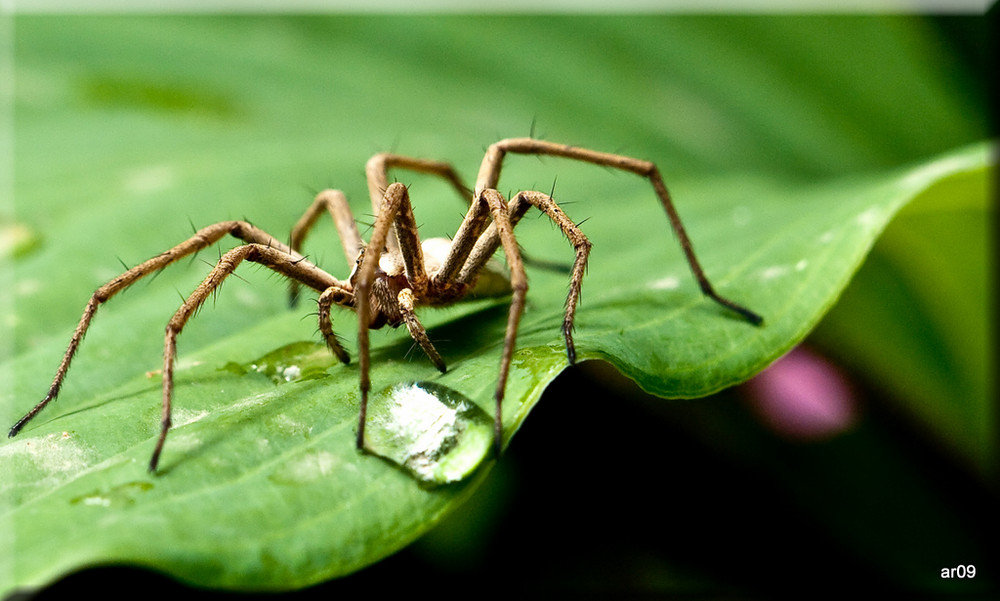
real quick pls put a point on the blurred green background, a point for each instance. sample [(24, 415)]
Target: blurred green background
[(690, 497)]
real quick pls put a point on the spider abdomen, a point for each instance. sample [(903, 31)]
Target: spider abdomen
[(493, 280)]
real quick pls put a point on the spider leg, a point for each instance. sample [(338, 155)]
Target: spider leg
[(335, 203), (489, 174), (276, 259), (395, 214), (519, 289), (377, 173), (464, 241), (490, 240), (417, 331), (334, 295), (472, 254), (203, 238), (474, 244)]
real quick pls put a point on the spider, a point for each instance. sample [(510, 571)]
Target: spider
[(394, 273)]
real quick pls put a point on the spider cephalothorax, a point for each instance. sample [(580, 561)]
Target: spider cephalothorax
[(386, 287)]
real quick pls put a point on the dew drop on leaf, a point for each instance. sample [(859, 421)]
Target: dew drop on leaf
[(118, 496), (433, 432), (294, 362)]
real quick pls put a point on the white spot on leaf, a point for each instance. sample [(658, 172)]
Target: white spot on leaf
[(56, 454), (669, 282), (309, 467), (151, 178), (182, 417), (871, 219), (741, 216), (776, 271)]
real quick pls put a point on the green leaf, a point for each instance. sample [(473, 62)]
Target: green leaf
[(917, 318), (261, 487), (242, 442)]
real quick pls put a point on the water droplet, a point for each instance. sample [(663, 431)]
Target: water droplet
[(871, 219), (295, 362), (118, 496), (433, 432), (670, 282), (775, 271)]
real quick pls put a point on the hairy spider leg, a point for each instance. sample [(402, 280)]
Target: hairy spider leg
[(334, 295), (377, 173), (279, 260), (489, 174), (475, 243), (394, 212), (201, 239), (335, 203), (516, 208), (519, 287)]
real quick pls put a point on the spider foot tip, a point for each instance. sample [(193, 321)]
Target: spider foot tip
[(752, 317), (16, 428)]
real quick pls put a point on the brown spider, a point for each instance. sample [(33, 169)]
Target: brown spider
[(386, 286)]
